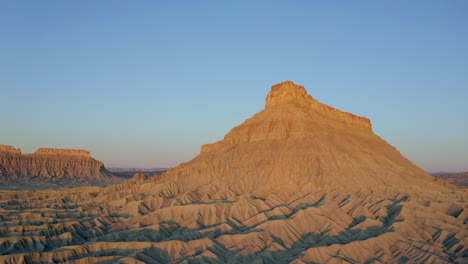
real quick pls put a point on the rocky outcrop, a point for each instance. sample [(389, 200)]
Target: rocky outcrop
[(53, 164), (291, 113), (297, 183), (9, 149), (290, 93), (52, 151)]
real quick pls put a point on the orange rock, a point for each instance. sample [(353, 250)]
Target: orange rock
[(299, 182), (52, 163), (78, 152), (298, 143), (10, 149)]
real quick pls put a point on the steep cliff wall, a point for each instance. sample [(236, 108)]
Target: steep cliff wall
[(290, 93), (53, 164), (76, 152), (291, 113), (10, 149)]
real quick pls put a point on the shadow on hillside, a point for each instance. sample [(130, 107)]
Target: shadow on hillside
[(171, 230), (87, 232)]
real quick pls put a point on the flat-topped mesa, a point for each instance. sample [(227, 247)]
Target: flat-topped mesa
[(290, 93), (74, 152), (74, 165), (10, 149)]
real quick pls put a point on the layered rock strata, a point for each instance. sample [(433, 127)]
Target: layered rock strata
[(299, 182), (52, 164), (52, 151), (298, 143), (10, 149)]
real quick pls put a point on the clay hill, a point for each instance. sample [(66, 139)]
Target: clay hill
[(299, 182), (46, 164)]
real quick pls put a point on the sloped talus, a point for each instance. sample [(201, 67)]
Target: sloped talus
[(300, 182)]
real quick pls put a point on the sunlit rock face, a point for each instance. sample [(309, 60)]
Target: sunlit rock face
[(73, 152), (299, 182), (10, 149), (288, 93), (52, 163), (298, 143)]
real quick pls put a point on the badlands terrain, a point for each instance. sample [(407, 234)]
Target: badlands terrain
[(299, 182)]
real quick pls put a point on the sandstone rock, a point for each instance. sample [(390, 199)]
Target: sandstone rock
[(138, 177), (10, 149), (289, 93), (53, 164), (52, 151), (298, 143), (299, 182)]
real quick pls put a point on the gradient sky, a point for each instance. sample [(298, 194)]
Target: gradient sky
[(146, 83)]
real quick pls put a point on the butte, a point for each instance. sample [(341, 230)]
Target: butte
[(299, 182)]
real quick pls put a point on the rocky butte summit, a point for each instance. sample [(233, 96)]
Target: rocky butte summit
[(299, 182), (298, 143)]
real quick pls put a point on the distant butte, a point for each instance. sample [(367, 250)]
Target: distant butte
[(53, 151), (52, 163), (77, 152), (10, 149)]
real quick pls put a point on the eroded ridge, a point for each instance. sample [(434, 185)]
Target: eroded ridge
[(298, 182), (129, 223)]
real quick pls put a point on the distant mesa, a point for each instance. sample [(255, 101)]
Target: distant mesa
[(118, 169), (53, 151), (50, 163), (48, 151), (10, 149)]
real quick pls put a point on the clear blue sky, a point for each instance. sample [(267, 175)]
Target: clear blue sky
[(146, 83)]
